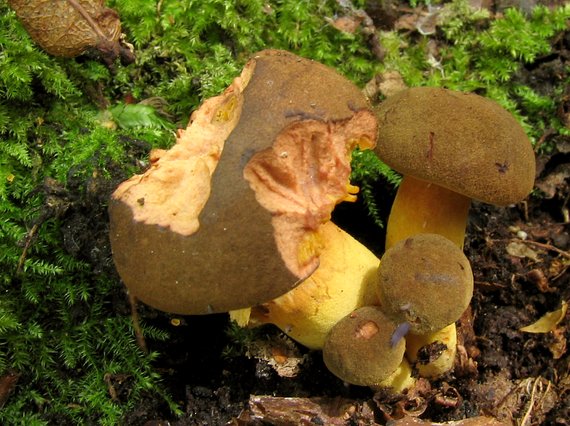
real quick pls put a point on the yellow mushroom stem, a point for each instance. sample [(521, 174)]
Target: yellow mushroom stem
[(344, 281), (399, 380), (441, 347), (422, 207)]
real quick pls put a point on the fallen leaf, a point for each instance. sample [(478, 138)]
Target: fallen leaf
[(472, 421), (7, 385), (281, 354), (427, 23), (69, 28), (387, 83), (519, 249), (291, 411), (548, 321), (555, 182)]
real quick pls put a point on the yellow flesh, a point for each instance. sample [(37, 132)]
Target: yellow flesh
[(421, 207), (302, 177), (447, 336), (344, 281), (175, 188)]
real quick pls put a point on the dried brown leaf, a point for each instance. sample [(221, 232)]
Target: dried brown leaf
[(559, 343), (555, 182), (520, 249), (282, 411), (69, 28)]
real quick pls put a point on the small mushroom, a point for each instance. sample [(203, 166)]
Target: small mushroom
[(232, 215), (359, 350), (425, 281), (451, 147)]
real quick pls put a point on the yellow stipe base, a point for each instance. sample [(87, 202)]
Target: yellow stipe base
[(441, 365), (399, 380), (345, 280)]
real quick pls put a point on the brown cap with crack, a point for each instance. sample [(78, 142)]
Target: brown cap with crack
[(425, 280), (461, 141), (229, 217), (359, 348)]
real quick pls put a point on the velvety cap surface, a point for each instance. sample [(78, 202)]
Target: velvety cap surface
[(359, 350), (461, 141), (426, 281)]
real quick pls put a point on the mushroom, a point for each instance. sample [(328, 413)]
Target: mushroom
[(359, 350), (451, 147), (425, 281), (233, 215)]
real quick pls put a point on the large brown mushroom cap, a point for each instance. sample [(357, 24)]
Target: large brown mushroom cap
[(426, 281), (461, 141), (359, 350), (192, 235)]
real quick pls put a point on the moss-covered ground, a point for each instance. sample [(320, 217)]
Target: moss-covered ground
[(72, 128)]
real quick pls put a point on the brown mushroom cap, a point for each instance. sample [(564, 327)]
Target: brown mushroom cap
[(461, 141), (189, 236), (358, 348), (425, 280)]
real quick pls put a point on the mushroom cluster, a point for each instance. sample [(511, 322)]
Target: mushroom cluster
[(451, 147), (424, 285), (236, 216)]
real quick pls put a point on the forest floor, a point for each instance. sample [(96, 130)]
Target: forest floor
[(520, 256)]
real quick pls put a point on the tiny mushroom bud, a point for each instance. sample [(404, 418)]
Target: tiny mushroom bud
[(359, 351), (233, 215), (451, 147), (425, 281)]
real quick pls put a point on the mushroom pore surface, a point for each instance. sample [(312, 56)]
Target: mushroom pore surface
[(193, 235), (425, 280)]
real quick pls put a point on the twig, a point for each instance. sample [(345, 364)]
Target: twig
[(141, 342), (27, 245)]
